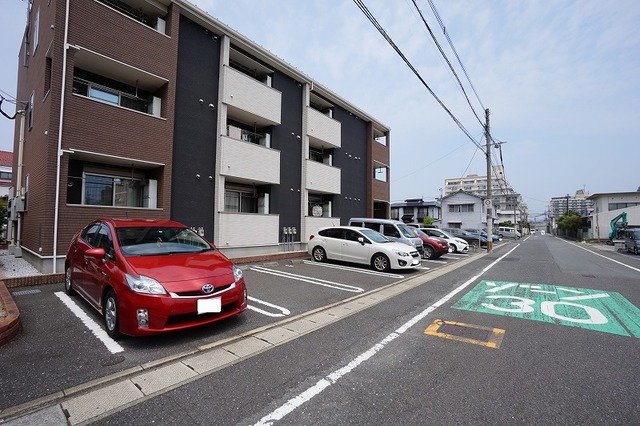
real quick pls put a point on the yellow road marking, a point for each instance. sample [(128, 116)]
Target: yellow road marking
[(494, 341)]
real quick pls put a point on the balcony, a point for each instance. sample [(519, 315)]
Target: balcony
[(247, 229), (249, 162), (323, 178), (249, 100), (323, 131)]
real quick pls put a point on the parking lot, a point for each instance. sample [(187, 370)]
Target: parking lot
[(63, 343)]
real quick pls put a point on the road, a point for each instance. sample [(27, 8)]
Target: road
[(540, 330)]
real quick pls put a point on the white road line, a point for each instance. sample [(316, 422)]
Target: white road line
[(350, 268), (324, 383), (598, 254), (283, 311), (310, 280), (96, 329)]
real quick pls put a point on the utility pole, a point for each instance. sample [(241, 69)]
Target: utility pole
[(489, 204)]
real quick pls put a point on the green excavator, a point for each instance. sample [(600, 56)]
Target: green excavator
[(622, 217)]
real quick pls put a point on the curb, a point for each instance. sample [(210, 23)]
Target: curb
[(10, 324)]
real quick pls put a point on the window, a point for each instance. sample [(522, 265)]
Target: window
[(460, 208), (47, 76), (5, 175), (390, 231), (245, 199), (380, 173), (332, 233), (36, 31), (321, 155), (30, 112), (100, 190), (616, 206)]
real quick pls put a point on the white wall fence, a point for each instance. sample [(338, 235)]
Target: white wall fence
[(600, 223)]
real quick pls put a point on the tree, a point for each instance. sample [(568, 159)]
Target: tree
[(570, 222), (507, 223), (427, 220)]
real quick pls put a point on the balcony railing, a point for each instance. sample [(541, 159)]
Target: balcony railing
[(250, 162), (116, 97)]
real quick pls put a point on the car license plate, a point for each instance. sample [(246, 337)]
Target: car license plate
[(207, 306)]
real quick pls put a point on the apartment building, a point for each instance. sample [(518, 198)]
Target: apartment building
[(580, 203), (155, 109), (508, 203)]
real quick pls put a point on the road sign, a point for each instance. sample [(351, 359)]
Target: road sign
[(597, 310), (488, 202)]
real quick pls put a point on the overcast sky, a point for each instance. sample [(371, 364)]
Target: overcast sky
[(561, 79)]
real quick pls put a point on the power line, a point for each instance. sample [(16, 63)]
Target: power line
[(429, 164), (435, 40), (455, 52), (384, 34)]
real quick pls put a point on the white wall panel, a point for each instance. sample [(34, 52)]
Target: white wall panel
[(323, 178), (245, 229), (249, 161)]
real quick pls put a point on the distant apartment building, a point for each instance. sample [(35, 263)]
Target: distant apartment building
[(580, 203), (508, 204), (155, 109), (414, 210)]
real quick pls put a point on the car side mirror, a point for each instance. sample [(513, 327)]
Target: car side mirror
[(96, 253), (361, 240)]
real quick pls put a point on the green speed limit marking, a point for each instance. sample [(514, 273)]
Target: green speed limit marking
[(597, 310)]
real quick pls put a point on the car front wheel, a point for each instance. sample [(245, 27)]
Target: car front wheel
[(68, 284), (380, 263), (429, 253), (319, 255), (112, 315)]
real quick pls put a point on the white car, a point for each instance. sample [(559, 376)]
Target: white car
[(362, 245), (458, 244)]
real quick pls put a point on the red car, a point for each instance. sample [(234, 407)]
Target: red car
[(433, 247), (152, 276)]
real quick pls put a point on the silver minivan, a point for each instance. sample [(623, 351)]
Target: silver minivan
[(507, 232), (393, 229)]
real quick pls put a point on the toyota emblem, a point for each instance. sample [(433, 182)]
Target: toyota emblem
[(207, 288)]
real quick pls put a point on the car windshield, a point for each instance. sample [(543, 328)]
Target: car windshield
[(374, 236), (406, 231), (149, 241)]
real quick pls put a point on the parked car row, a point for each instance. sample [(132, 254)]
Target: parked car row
[(152, 276)]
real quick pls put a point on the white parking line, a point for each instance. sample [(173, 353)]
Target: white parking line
[(283, 311), (350, 268), (457, 254), (310, 280), (96, 329), (435, 261), (327, 381)]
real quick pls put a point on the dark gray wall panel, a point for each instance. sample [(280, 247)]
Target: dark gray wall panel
[(351, 159), (195, 129), (284, 201)]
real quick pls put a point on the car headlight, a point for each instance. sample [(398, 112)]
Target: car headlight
[(237, 273), (144, 284), (402, 253)]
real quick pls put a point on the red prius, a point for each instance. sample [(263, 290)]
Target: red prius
[(152, 276)]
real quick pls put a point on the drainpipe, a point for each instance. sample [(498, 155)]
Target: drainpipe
[(17, 243), (59, 150)]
